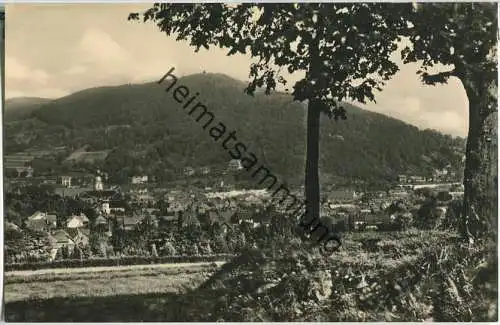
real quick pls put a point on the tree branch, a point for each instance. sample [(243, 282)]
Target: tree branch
[(441, 77)]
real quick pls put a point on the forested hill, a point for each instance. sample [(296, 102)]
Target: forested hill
[(148, 131), (21, 107)]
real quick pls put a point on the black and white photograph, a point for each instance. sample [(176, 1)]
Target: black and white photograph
[(250, 162)]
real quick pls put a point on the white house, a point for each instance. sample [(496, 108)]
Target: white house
[(109, 207), (105, 207), (189, 171), (80, 221), (38, 216), (235, 165), (66, 181), (205, 170), (139, 179)]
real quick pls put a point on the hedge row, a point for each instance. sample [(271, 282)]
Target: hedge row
[(121, 261)]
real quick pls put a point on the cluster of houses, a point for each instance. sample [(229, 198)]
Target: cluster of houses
[(129, 206), (113, 208), (74, 233), (446, 174)]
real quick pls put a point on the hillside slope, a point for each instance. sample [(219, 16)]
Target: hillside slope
[(148, 131), (21, 107)]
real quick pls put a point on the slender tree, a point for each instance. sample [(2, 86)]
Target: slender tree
[(464, 36), (343, 50)]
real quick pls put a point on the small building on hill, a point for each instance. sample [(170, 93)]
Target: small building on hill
[(235, 165), (41, 221), (204, 170), (78, 221), (80, 236), (51, 220), (131, 222), (417, 179), (60, 239), (143, 179), (189, 171), (76, 179), (342, 196), (66, 181), (36, 225), (113, 207)]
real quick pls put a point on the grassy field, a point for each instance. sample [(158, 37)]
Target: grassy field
[(100, 269), (103, 282), (123, 294), (168, 293)]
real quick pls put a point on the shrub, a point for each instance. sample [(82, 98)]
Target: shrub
[(404, 220), (427, 216)]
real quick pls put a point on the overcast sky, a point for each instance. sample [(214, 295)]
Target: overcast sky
[(54, 50)]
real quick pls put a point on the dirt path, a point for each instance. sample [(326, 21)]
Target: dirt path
[(107, 268)]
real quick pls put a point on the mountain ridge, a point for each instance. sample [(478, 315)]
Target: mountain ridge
[(10, 101), (273, 125)]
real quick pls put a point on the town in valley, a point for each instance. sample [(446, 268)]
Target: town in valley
[(81, 215), (252, 162)]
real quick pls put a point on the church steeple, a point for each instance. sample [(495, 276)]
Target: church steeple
[(98, 184)]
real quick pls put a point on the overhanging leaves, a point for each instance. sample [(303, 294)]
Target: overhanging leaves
[(349, 43)]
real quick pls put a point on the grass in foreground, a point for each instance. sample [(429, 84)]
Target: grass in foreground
[(103, 284), (399, 272)]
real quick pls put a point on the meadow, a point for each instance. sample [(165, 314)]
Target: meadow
[(405, 276), (103, 281)]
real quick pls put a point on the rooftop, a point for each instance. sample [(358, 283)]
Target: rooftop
[(61, 236)]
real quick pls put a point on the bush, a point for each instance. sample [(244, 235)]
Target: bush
[(427, 276), (427, 216), (404, 221)]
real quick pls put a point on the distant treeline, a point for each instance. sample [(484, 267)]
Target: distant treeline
[(147, 133)]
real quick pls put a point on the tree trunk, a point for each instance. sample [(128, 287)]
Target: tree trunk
[(480, 209), (312, 158), (313, 119)]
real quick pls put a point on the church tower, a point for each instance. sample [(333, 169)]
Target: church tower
[(98, 184)]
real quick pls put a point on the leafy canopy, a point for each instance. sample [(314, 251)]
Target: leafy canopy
[(461, 34), (343, 48)]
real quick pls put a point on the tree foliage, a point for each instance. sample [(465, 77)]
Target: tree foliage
[(464, 36), (353, 57), (343, 50), (339, 57)]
